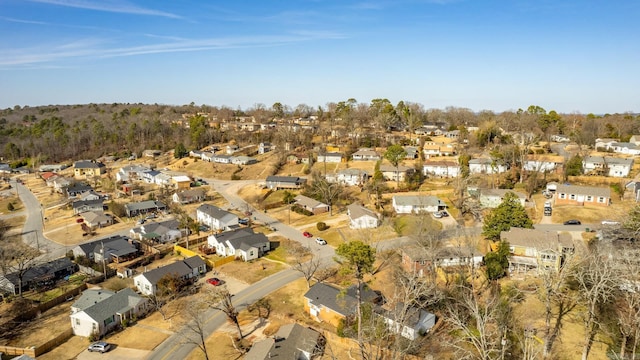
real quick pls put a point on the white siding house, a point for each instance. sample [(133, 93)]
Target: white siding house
[(407, 204), (362, 218)]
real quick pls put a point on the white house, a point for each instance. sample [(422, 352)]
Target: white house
[(243, 160), (311, 205), (441, 168), (395, 173), (362, 218), (242, 243), (408, 321), (485, 166), (147, 282), (543, 163), (216, 218), (365, 154), (350, 177), (149, 176), (264, 147), (491, 198), (98, 311), (131, 172), (332, 157), (606, 165), (407, 204)]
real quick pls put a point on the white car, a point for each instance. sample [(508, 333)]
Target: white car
[(437, 215), (99, 346), (321, 241), (610, 222)]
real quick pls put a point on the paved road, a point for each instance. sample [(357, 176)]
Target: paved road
[(175, 347), (32, 233)]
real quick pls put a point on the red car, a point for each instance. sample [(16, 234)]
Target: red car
[(307, 234), (214, 281)]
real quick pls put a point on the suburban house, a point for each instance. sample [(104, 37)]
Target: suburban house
[(264, 147), (292, 341), (52, 167), (544, 163), (491, 198), (326, 303), (75, 189), (407, 204), (393, 173), (311, 205), (37, 276), (89, 195), (189, 196), (97, 219), (362, 218), (164, 231), (284, 182), (232, 148), (150, 153), (365, 154), (99, 311), (412, 152), (114, 247), (582, 195), (188, 269), (607, 166), (418, 261), (625, 148), (150, 176), (180, 182), (143, 207), (485, 166), (441, 168), (431, 149), (87, 169), (408, 321), (221, 158), (243, 160), (242, 243), (131, 172), (350, 177), (81, 206), (332, 157), (539, 250), (216, 218)]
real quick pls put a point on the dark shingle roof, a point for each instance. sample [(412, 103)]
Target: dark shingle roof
[(342, 302)]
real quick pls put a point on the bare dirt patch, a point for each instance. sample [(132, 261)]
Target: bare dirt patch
[(251, 272)]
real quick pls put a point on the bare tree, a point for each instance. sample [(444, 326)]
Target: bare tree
[(596, 279), (305, 262), (24, 258), (220, 299), (325, 190), (195, 332)]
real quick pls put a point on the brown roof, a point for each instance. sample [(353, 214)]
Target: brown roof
[(584, 190), (537, 239)]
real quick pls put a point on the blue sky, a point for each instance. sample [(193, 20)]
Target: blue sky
[(571, 56)]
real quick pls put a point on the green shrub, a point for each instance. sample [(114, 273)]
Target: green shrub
[(321, 226)]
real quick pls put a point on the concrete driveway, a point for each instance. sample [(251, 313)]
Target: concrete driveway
[(117, 353)]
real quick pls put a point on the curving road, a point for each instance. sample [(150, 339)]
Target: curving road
[(175, 346)]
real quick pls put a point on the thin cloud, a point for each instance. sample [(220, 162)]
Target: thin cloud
[(21, 21), (109, 6), (91, 48)]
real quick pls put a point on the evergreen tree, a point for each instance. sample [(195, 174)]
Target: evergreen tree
[(510, 213)]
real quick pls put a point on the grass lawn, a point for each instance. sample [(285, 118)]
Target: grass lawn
[(252, 271), (14, 200)]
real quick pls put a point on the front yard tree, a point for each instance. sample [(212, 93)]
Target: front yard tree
[(359, 258), (180, 151), (510, 213), (497, 262), (325, 191), (395, 153), (220, 299)]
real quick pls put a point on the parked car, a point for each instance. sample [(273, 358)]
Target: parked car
[(99, 346), (572, 222), (444, 213), (437, 215), (321, 241), (243, 221), (610, 222), (214, 281), (307, 234)]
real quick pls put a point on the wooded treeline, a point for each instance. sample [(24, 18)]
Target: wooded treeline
[(68, 132)]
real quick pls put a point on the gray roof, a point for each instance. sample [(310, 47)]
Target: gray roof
[(87, 164), (159, 228), (242, 238), (91, 297), (215, 212), (287, 343), (625, 144), (500, 193), (353, 172), (144, 205), (357, 211), (342, 302), (90, 203), (584, 190), (308, 202), (538, 239), (95, 216), (117, 247), (391, 168), (608, 160), (285, 179), (179, 268), (120, 302), (420, 200)]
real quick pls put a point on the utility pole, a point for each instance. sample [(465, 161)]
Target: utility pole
[(104, 265)]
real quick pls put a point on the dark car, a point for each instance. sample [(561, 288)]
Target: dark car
[(572, 222)]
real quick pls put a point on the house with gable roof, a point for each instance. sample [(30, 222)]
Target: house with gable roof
[(350, 177), (366, 154), (292, 341), (326, 303), (544, 163), (242, 243), (87, 168), (396, 173), (188, 269), (43, 274), (189, 196), (407, 204), (607, 166), (115, 248), (143, 207), (99, 311), (97, 219), (533, 249), (444, 168), (491, 198), (284, 182), (407, 321), (485, 166), (216, 218), (163, 231), (81, 206), (362, 218), (311, 205), (582, 195)]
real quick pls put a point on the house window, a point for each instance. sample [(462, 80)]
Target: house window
[(589, 198), (572, 196), (563, 196), (251, 253), (601, 199), (77, 321)]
